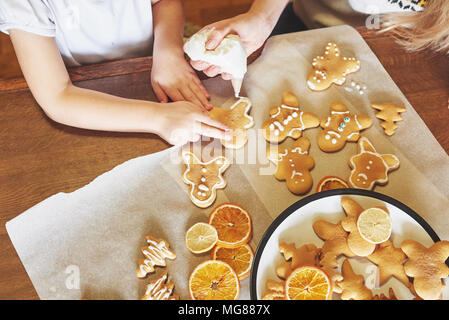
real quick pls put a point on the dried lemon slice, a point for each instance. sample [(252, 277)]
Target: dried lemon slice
[(374, 225)]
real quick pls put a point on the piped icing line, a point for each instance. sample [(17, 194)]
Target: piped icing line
[(289, 107), (295, 173), (156, 252), (159, 290), (352, 134), (217, 185), (334, 133), (277, 113), (281, 156), (247, 109), (339, 112), (279, 125), (357, 122), (327, 122), (299, 150)]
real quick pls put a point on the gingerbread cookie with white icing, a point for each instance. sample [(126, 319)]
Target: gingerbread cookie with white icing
[(237, 119), (331, 68), (155, 254), (160, 289), (204, 177), (341, 126), (287, 120), (294, 165), (370, 167)]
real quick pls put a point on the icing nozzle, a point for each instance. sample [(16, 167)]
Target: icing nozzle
[(237, 85)]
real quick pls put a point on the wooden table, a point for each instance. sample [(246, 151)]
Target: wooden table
[(40, 157)]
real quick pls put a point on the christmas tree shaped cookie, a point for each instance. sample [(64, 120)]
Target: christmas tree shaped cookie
[(155, 254), (390, 114)]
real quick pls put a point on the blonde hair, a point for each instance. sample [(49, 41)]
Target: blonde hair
[(428, 29)]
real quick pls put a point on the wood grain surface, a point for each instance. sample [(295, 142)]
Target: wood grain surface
[(40, 157)]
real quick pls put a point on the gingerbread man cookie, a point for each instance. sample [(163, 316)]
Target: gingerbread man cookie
[(294, 165), (335, 242), (331, 68), (341, 126), (159, 289), (237, 119), (353, 285), (356, 243), (288, 120), (369, 167), (204, 178), (155, 254), (427, 267), (390, 261), (390, 114)]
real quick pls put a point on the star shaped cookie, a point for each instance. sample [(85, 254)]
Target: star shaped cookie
[(390, 261)]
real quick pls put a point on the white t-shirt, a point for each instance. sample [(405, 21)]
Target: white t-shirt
[(86, 31), (323, 13)]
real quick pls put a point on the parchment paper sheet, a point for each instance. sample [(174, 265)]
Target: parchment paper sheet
[(98, 230)]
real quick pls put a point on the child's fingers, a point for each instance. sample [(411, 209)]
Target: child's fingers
[(216, 37), (213, 132), (160, 94), (226, 76), (200, 95), (190, 96), (201, 86), (174, 94), (206, 119), (212, 71), (199, 65)]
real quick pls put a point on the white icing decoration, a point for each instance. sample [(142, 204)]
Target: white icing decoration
[(157, 290), (357, 122), (295, 173), (279, 125), (299, 150)]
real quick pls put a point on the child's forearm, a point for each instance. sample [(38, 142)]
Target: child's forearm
[(268, 10), (168, 20), (94, 110)]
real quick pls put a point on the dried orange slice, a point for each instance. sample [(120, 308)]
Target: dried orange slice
[(240, 259), (374, 225), (214, 280), (233, 225), (201, 237), (331, 182), (308, 283)]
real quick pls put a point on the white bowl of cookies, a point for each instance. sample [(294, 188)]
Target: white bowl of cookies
[(350, 244)]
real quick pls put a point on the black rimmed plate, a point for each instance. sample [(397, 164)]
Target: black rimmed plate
[(295, 225)]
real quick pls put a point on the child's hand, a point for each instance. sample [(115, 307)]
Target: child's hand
[(172, 77), (183, 121), (253, 32)]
